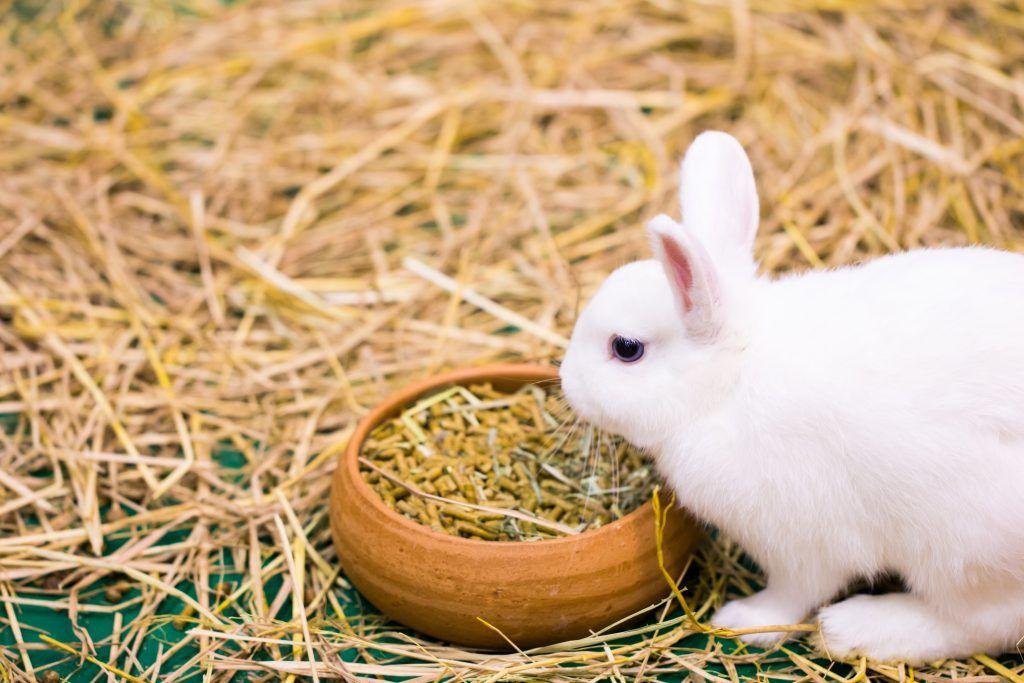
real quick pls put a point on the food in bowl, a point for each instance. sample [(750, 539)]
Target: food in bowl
[(478, 462)]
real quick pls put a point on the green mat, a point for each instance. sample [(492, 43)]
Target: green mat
[(44, 626)]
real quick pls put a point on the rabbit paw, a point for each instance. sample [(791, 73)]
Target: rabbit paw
[(893, 627), (761, 609)]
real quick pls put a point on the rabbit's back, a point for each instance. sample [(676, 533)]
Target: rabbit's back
[(902, 375), (934, 330)]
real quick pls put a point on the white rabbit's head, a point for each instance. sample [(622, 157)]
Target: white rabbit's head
[(652, 341)]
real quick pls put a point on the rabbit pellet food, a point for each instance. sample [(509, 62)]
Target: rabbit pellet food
[(479, 463)]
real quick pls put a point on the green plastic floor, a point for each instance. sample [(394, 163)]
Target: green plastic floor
[(38, 622), (57, 625)]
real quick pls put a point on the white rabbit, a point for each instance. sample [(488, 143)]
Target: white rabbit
[(837, 424)]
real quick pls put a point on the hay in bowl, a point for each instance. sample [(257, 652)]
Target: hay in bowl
[(477, 462)]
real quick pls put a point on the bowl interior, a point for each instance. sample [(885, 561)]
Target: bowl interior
[(502, 377)]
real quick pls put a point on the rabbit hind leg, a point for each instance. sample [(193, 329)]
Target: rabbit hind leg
[(904, 627)]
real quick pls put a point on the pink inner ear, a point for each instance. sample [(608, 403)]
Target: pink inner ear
[(681, 270)]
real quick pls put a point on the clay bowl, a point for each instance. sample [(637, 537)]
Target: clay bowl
[(536, 593)]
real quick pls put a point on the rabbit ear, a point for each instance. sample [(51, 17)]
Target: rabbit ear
[(719, 199), (691, 274)]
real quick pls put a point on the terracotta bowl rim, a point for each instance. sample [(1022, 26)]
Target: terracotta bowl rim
[(417, 389)]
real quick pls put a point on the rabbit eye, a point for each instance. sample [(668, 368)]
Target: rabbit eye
[(627, 350)]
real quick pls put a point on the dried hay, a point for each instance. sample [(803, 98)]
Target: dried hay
[(225, 231)]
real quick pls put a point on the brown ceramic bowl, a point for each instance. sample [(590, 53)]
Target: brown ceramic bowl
[(536, 593)]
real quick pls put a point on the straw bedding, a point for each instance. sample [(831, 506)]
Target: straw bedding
[(228, 229)]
